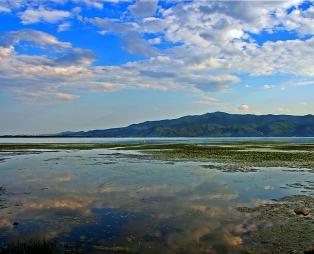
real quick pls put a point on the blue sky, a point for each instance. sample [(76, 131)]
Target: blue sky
[(95, 64)]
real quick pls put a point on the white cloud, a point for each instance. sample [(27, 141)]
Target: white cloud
[(20, 4), (244, 108), (155, 41), (300, 21), (39, 77), (39, 38), (136, 45), (268, 86), (45, 97), (65, 96), (283, 110), (144, 8), (41, 14), (302, 83), (216, 82), (304, 103), (64, 27), (215, 38), (98, 4), (281, 57), (4, 9), (132, 40), (210, 47), (209, 101)]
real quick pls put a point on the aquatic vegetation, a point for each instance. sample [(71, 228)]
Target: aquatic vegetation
[(230, 167), (243, 154), (2, 200), (58, 146), (146, 197), (2, 190), (281, 229), (28, 248), (36, 246)]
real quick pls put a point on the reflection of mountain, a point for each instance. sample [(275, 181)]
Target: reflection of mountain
[(216, 124)]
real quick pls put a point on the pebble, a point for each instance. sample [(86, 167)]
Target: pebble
[(302, 210)]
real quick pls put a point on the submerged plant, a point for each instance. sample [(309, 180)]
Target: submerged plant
[(36, 247), (2, 190)]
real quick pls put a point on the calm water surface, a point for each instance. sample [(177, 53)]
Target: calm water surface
[(107, 200), (172, 140)]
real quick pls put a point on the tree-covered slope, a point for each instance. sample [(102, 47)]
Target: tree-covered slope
[(216, 124)]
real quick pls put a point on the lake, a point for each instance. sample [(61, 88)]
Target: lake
[(116, 201), (172, 140)]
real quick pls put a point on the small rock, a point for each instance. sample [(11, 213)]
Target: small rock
[(302, 210), (15, 223)]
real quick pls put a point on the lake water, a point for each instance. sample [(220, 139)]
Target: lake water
[(104, 201), (169, 140)]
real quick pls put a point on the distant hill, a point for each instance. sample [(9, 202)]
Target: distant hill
[(216, 124)]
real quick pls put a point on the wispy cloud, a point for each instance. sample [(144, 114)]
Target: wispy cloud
[(41, 14), (209, 100)]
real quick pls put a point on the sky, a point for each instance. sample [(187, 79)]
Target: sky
[(96, 64)]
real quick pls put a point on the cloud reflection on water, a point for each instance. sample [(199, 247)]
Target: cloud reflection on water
[(168, 207)]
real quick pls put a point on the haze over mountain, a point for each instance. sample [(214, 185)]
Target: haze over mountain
[(216, 124)]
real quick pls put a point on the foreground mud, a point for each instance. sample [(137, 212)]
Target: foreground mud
[(279, 228)]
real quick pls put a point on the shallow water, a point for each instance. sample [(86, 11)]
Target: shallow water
[(103, 200)]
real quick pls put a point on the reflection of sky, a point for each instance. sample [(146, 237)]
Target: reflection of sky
[(121, 201)]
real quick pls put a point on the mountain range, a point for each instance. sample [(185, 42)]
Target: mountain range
[(217, 124)]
